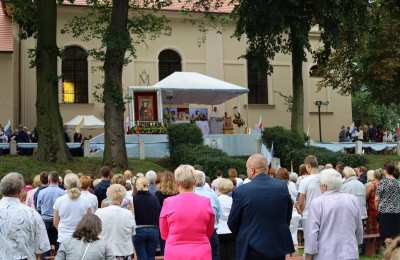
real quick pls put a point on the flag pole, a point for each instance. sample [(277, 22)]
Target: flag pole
[(291, 166)]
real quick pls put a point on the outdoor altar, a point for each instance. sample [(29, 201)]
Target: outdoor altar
[(183, 97)]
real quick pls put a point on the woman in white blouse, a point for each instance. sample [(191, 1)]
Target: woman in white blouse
[(225, 236), (69, 208), (118, 223)]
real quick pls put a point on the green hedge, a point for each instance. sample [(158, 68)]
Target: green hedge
[(291, 148), (283, 139), (186, 147), (324, 156), (210, 159), (183, 134)]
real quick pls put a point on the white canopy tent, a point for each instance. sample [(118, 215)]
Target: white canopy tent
[(195, 88), (188, 88), (85, 121)]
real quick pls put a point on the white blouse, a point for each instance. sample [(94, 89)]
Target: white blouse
[(226, 204), (23, 233), (118, 226)]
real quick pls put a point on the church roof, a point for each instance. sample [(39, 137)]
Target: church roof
[(224, 6), (6, 34)]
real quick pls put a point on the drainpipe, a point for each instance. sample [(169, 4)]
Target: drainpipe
[(19, 83)]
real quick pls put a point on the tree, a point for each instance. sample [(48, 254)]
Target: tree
[(115, 155), (375, 64), (366, 111), (39, 19), (120, 25), (283, 26), (110, 22)]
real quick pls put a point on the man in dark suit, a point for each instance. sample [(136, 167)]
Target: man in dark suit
[(261, 214)]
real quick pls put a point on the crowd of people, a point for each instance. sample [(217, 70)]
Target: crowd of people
[(186, 216), (368, 134), (25, 135)]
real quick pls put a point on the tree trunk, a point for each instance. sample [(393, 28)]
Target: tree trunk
[(297, 82), (116, 39), (51, 143)]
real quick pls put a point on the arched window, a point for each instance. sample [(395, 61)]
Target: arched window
[(75, 75), (169, 61), (257, 81)]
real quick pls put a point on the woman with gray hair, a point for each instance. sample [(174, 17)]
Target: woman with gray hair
[(334, 222), (353, 186), (69, 208), (118, 224)]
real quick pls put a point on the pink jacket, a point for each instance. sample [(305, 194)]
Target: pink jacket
[(187, 223)]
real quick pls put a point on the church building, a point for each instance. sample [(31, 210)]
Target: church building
[(211, 52)]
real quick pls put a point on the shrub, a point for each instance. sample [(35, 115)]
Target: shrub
[(283, 139), (290, 148), (210, 159), (183, 134), (186, 147), (324, 156)]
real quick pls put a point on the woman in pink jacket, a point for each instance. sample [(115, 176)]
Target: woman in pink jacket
[(186, 220)]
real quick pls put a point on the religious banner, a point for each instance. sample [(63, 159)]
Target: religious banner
[(145, 106)]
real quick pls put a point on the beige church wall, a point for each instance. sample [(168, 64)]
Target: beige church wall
[(185, 39), (28, 86), (209, 53), (7, 101)]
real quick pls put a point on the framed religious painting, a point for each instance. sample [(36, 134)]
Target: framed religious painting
[(146, 107)]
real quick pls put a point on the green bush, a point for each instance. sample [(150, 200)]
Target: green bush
[(183, 134), (291, 148), (324, 156), (283, 139), (186, 147), (210, 159)]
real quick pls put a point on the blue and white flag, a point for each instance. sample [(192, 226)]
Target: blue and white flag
[(268, 154), (7, 129)]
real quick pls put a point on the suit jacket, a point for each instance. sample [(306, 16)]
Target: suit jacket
[(260, 218)]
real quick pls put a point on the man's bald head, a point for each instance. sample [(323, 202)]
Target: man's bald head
[(256, 164)]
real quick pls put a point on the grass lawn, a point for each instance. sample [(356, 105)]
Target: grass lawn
[(29, 167), (376, 161), (377, 257)]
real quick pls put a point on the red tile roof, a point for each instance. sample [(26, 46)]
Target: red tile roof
[(6, 34), (176, 5)]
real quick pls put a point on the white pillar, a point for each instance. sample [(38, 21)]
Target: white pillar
[(86, 148), (13, 147), (142, 154), (359, 147)]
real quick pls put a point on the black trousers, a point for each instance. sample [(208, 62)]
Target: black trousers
[(254, 255), (226, 246), (214, 246), (52, 233)]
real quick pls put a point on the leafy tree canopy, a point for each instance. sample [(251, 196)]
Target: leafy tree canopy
[(375, 62), (366, 111), (271, 26)]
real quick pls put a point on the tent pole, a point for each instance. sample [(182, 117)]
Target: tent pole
[(160, 107)]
